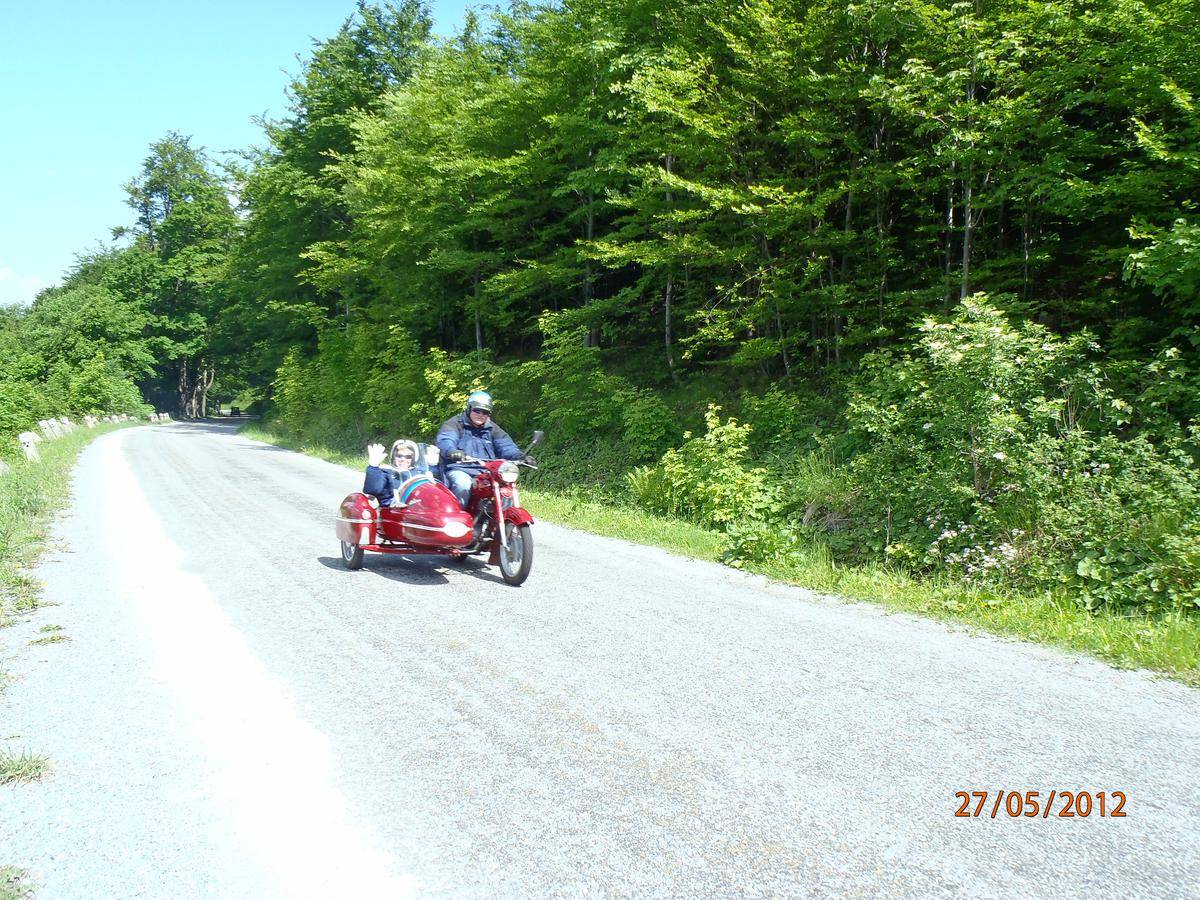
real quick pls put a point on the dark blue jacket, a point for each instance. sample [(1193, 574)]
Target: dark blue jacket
[(382, 483), (488, 441)]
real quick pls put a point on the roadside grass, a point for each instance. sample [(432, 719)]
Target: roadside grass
[(1166, 644), (30, 492), (13, 885), (626, 523), (257, 432), (50, 639), (23, 767)]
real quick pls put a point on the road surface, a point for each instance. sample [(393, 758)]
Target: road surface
[(237, 715)]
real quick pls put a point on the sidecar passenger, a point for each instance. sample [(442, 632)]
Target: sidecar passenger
[(383, 479)]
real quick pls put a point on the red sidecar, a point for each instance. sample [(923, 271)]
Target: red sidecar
[(426, 518)]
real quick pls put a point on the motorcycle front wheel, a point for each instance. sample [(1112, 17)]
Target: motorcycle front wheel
[(517, 558)]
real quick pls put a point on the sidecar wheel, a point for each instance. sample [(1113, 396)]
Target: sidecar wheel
[(517, 559), (352, 555)]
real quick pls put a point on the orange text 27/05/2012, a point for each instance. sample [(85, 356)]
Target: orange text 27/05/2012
[(1059, 804)]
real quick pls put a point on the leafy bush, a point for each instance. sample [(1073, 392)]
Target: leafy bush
[(763, 541), (99, 387), (706, 481), (583, 404), (1120, 526), (20, 407), (782, 421), (294, 398), (992, 450)]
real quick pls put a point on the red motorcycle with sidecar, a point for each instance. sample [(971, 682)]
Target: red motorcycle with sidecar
[(426, 518)]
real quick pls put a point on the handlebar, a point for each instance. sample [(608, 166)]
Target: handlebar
[(472, 461)]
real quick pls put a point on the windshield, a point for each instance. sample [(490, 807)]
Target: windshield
[(427, 458)]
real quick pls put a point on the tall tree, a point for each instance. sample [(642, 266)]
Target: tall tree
[(185, 223)]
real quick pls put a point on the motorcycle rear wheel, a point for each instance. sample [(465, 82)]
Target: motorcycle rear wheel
[(517, 559), (352, 555)]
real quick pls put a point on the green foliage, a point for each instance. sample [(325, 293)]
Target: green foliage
[(614, 213), (777, 418), (581, 403), (394, 386), (99, 387), (77, 349), (294, 399), (992, 450), (706, 480), (21, 405), (1170, 265), (30, 493), (764, 542), (1120, 526), (447, 381), (15, 884)]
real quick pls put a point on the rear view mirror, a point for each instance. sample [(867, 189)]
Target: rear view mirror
[(537, 438)]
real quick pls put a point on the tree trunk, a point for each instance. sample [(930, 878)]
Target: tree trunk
[(948, 242), (880, 229), (478, 323), (968, 229), (667, 293), (182, 388), (206, 383), (593, 337), (1025, 244), (968, 185)]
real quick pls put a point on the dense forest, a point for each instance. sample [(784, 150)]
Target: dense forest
[(913, 280)]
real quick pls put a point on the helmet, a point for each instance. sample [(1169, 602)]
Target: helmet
[(407, 445), (479, 400)]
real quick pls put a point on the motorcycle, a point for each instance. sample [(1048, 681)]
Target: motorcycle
[(427, 519)]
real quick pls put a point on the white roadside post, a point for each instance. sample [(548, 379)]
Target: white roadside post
[(29, 442)]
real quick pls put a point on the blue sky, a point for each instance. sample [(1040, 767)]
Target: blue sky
[(85, 87)]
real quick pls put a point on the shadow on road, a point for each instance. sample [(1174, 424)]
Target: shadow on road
[(408, 569), (206, 426), (422, 570)]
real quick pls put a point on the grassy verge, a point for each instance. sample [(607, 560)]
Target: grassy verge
[(30, 492), (13, 885), (1167, 645), (23, 767)]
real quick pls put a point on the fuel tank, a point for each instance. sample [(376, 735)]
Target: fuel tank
[(432, 516), (357, 519)]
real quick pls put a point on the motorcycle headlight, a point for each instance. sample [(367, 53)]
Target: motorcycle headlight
[(508, 472)]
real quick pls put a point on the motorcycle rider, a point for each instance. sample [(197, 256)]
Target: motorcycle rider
[(472, 433), (384, 478)]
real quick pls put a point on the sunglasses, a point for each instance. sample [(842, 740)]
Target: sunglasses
[(405, 456), (483, 412)]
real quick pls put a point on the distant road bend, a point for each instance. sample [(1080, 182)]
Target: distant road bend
[(237, 715)]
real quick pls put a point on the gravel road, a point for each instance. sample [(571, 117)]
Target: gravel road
[(236, 715)]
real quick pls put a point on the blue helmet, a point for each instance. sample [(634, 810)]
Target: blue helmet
[(479, 400)]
